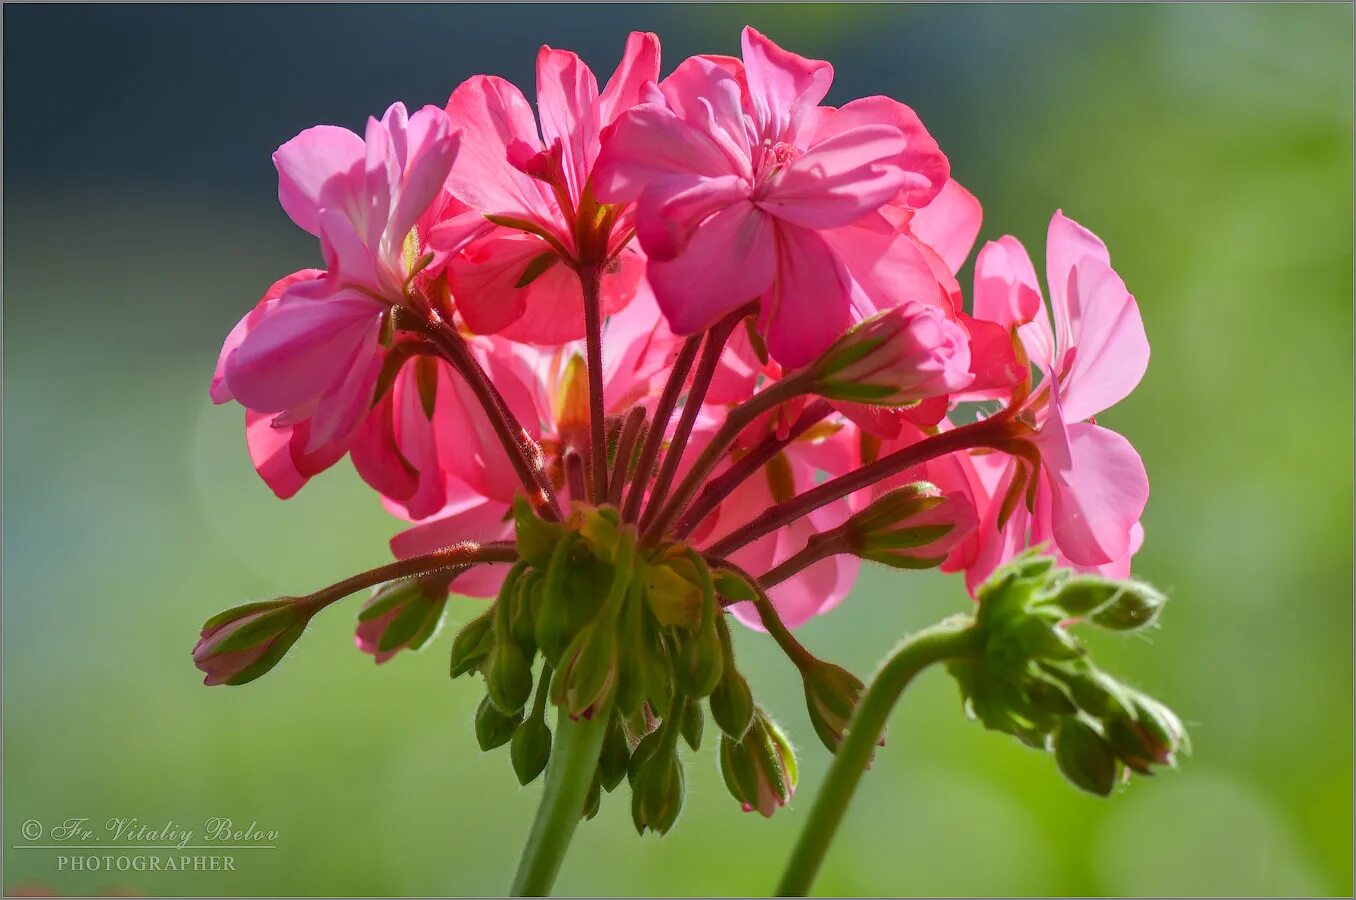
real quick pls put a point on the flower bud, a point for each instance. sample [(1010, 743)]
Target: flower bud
[(401, 615), (1148, 734), (534, 537), (615, 756), (895, 358), (593, 800), (693, 724), (473, 643), (699, 662), (531, 748), (760, 770), (240, 644), (1115, 605), (731, 702), (508, 677), (494, 728), (657, 789), (1085, 758), (912, 527), (587, 676), (831, 695)]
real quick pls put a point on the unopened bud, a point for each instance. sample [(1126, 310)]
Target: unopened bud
[(1148, 734), (473, 643), (1115, 605), (240, 644), (912, 527), (699, 662), (831, 696), (693, 724), (531, 748), (731, 702), (534, 538), (760, 770), (657, 790), (1085, 758), (615, 756), (587, 676), (508, 677), (402, 615), (593, 800), (494, 728), (896, 358)]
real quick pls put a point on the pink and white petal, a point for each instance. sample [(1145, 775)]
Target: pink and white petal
[(949, 224), (1108, 351), (296, 351), (432, 147), (1095, 513), (729, 261), (311, 162), (782, 85), (808, 306), (351, 259), (926, 168), (639, 65), (838, 180), (567, 102), (490, 114)]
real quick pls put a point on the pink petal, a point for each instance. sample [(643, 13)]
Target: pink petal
[(377, 455), (491, 114), (671, 209), (885, 264), (1006, 290), (470, 518), (299, 349), (639, 64), (782, 85), (1066, 244), (649, 143), (1094, 514), (838, 180), (924, 167), (219, 392), (567, 101), (484, 278), (949, 224), (309, 164), (709, 93), (431, 149), (1109, 351), (729, 261), (341, 408), (808, 306)]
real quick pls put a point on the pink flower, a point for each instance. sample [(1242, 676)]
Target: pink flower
[(1091, 487), (535, 216), (747, 189), (306, 360)]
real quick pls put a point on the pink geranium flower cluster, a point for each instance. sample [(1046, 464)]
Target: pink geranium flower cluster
[(703, 298)]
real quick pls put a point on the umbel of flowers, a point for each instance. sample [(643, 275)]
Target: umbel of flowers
[(685, 350)]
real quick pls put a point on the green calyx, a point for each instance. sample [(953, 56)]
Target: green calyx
[(1033, 679)]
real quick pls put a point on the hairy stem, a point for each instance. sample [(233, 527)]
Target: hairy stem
[(721, 487), (995, 432), (590, 279), (663, 411), (626, 446), (951, 639), (800, 657), (523, 452), (701, 382), (569, 774), (456, 556)]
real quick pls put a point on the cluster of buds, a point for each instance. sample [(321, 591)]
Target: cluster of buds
[(1032, 679), (641, 655)]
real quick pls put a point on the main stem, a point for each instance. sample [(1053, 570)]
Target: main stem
[(569, 774), (951, 639), (663, 411), (590, 279)]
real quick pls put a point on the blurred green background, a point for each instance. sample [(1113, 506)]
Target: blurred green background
[(1210, 145)]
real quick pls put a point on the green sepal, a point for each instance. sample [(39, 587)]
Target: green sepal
[(1085, 758), (494, 728), (534, 537), (531, 749), (267, 626), (270, 657), (693, 725), (473, 644)]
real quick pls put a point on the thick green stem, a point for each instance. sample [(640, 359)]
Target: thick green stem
[(952, 639), (569, 774)]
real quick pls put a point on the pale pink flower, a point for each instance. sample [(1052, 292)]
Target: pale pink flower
[(747, 189), (1092, 485), (535, 216), (307, 359)]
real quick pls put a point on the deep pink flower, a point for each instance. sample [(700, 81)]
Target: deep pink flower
[(1092, 486), (536, 218), (306, 360), (747, 189)]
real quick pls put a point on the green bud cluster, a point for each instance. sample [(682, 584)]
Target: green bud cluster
[(593, 624), (1033, 679)]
